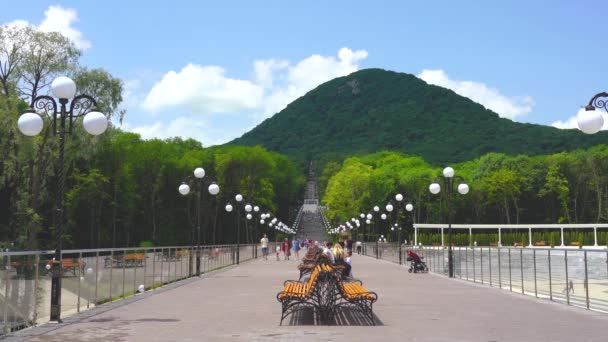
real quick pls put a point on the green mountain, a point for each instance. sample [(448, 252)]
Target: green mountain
[(373, 109)]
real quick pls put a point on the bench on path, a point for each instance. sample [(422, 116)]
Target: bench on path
[(125, 260), (540, 243), (325, 291), (297, 295), (353, 295), (70, 265)]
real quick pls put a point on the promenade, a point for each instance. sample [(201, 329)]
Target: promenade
[(239, 303)]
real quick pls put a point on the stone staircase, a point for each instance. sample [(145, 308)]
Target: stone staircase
[(311, 223)]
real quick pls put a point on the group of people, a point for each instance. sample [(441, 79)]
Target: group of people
[(285, 247), (337, 255)]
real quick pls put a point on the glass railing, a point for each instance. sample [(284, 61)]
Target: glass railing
[(577, 277), (92, 277)]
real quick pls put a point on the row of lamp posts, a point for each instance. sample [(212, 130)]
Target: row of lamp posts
[(589, 119)]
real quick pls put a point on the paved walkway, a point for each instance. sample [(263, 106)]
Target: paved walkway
[(239, 304)]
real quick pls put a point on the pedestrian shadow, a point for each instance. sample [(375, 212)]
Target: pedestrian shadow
[(344, 317)]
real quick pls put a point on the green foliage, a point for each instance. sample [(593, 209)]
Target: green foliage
[(146, 244), (373, 110), (564, 187)]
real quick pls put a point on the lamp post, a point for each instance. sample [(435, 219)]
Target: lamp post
[(409, 207), (463, 189), (62, 119), (368, 222), (589, 118), (239, 199), (184, 189)]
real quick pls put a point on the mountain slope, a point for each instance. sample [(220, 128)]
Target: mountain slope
[(374, 109)]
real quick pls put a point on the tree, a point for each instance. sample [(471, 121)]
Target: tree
[(45, 56), (12, 46), (103, 87)]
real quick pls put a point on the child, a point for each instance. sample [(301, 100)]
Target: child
[(349, 254), (278, 252)]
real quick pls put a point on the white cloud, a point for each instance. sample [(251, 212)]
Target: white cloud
[(275, 83), (203, 89), (506, 107), (185, 127), (58, 19), (195, 91)]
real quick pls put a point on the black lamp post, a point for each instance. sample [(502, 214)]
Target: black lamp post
[(184, 189), (409, 207), (463, 189), (589, 118), (30, 123), (368, 223), (239, 200)]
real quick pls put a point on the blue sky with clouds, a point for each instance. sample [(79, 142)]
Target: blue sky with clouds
[(213, 70)]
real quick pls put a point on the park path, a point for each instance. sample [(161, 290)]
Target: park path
[(239, 304)]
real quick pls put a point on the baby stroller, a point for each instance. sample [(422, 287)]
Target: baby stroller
[(416, 263)]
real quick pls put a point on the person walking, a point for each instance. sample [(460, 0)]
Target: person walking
[(296, 248), (264, 244), (286, 247)]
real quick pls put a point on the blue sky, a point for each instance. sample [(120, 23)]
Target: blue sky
[(213, 70)]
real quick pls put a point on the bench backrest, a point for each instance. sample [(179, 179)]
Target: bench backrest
[(312, 281)]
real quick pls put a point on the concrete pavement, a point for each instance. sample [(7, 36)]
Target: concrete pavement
[(239, 304)]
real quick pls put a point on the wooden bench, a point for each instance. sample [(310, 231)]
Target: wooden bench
[(134, 260), (493, 244), (540, 243), (576, 243), (354, 296), (297, 295), (518, 244), (70, 265)]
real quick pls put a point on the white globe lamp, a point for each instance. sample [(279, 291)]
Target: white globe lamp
[(95, 123), (589, 121), (63, 88), (199, 172), (184, 189), (30, 124)]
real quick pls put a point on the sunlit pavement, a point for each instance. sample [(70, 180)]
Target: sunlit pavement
[(240, 304)]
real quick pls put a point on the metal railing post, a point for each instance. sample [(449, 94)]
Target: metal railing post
[(168, 280), (153, 268), (145, 266), (124, 271), (175, 268), (80, 279), (535, 288), (566, 273), (550, 280), (466, 262), (586, 281), (490, 263), (36, 284), (96, 279), (481, 263), (473, 253), (510, 282), (134, 275), (499, 269), (111, 268), (521, 268), (7, 267)]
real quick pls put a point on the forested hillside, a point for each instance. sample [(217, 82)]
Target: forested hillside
[(374, 110)]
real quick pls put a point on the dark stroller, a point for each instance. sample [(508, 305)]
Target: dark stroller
[(416, 263)]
